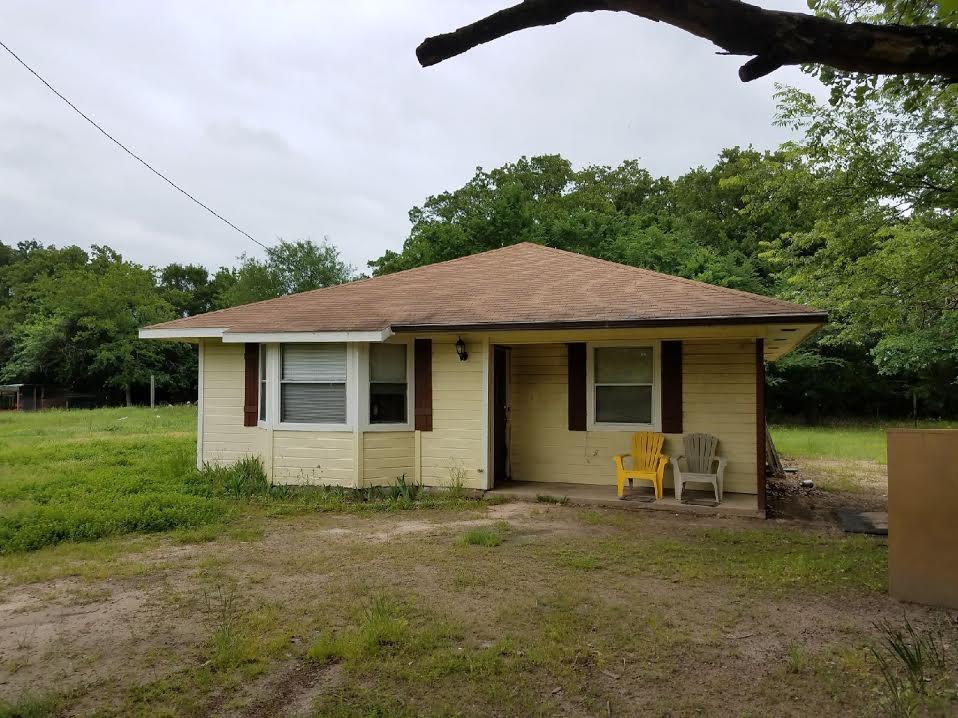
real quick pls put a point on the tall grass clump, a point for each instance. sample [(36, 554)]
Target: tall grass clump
[(912, 664), (31, 705), (486, 536), (243, 478), (381, 626)]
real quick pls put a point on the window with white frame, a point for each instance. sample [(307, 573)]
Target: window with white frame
[(388, 384), (624, 384), (262, 382), (313, 384)]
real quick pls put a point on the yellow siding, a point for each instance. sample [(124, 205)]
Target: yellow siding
[(298, 457), (718, 398), (225, 439), (388, 455), (456, 441), (313, 457)]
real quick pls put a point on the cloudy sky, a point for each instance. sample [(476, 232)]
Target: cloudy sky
[(312, 118)]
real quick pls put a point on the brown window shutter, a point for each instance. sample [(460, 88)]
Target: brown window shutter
[(423, 370), (577, 388), (251, 393), (672, 387)]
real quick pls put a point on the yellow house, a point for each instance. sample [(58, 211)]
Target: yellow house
[(487, 372)]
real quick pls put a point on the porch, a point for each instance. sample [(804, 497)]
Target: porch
[(637, 499), (537, 452)]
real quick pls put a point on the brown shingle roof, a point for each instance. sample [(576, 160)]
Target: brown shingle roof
[(523, 284)]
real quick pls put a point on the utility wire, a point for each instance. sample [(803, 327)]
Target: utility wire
[(130, 152)]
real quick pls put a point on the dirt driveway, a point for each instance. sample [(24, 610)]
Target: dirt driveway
[(568, 611)]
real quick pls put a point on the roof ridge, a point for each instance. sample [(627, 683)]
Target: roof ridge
[(675, 277)]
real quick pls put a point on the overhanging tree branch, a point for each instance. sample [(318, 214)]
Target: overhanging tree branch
[(772, 37)]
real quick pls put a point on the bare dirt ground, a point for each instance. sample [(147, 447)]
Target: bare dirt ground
[(578, 612), (838, 484)]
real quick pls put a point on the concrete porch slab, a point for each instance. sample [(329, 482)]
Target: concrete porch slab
[(635, 500)]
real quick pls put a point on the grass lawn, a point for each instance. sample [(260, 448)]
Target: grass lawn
[(839, 442), (189, 596), (84, 475)]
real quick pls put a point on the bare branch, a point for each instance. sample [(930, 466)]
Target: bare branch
[(772, 37)]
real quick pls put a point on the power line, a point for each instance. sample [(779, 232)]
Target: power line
[(130, 152)]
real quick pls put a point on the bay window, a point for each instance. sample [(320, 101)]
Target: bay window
[(388, 384)]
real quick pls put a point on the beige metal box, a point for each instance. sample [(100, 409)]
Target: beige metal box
[(923, 515)]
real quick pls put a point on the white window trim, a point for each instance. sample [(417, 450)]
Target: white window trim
[(262, 385), (273, 409), (409, 424), (591, 423), (271, 353)]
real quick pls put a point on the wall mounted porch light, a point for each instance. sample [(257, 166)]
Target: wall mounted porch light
[(461, 349)]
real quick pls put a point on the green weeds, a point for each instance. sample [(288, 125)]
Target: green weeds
[(912, 664), (767, 560), (485, 536), (244, 478), (382, 626), (547, 499), (30, 705), (71, 476)]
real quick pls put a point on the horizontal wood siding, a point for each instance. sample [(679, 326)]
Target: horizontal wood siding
[(313, 457), (225, 439), (455, 441), (718, 384), (388, 455)]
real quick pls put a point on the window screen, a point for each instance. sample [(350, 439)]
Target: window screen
[(388, 385), (313, 387), (623, 379)]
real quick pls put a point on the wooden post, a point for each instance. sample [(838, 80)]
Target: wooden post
[(152, 391), (760, 421)]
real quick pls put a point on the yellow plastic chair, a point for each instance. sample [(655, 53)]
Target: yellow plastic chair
[(648, 462)]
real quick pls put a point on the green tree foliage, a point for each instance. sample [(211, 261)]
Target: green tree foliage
[(704, 225), (71, 317), (882, 255), (190, 289), (289, 267), (81, 324)]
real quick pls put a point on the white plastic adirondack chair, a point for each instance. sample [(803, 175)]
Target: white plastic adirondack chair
[(700, 464)]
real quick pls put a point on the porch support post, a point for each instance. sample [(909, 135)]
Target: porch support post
[(201, 352), (355, 410), (487, 413), (760, 422)]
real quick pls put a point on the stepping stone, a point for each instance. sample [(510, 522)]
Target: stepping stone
[(863, 522)]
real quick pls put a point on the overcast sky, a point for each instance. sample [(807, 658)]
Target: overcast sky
[(312, 118)]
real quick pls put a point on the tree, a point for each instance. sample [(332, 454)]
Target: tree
[(881, 255), (774, 38), (83, 326), (705, 225), (26, 264), (190, 289), (288, 267), (891, 289), (72, 317)]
